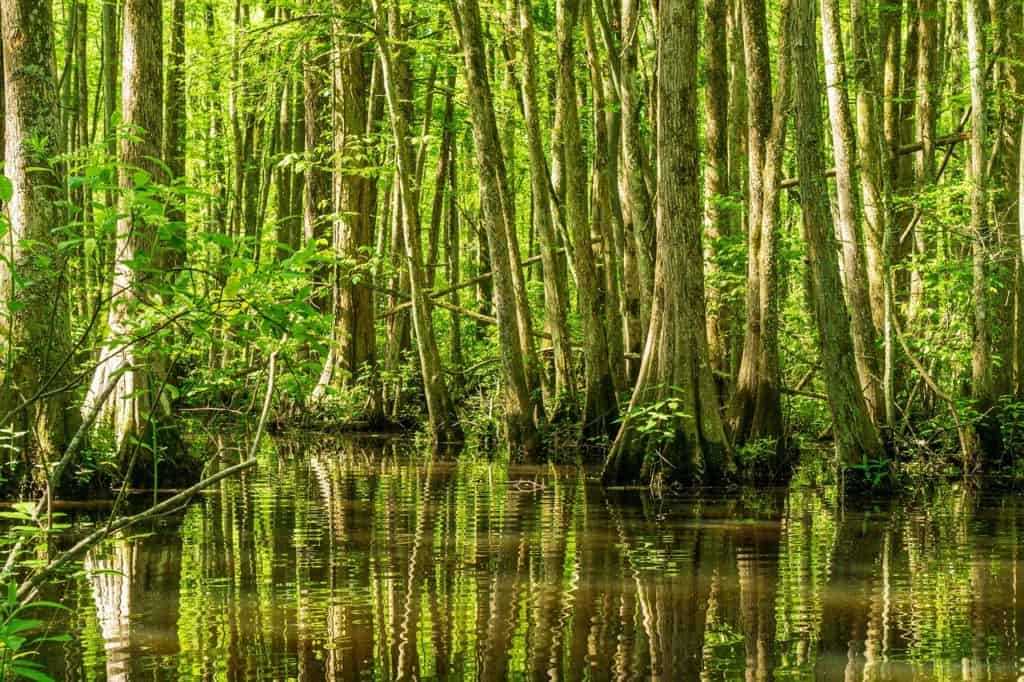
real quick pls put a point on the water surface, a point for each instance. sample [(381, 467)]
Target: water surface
[(368, 560)]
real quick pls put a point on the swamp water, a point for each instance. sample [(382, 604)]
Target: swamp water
[(358, 560)]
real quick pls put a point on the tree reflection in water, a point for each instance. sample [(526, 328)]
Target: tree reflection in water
[(368, 560)]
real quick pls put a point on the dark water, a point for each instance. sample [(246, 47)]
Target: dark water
[(371, 562)]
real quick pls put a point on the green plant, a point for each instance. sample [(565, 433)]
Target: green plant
[(21, 637), (872, 473), (658, 421)]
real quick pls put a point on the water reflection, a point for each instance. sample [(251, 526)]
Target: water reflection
[(361, 561)]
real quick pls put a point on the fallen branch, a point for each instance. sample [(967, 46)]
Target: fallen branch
[(28, 587)]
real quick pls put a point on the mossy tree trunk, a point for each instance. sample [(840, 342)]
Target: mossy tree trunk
[(855, 434), (34, 311), (692, 447)]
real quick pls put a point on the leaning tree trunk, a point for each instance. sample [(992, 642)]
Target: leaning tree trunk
[(34, 314), (691, 447), (854, 261), (600, 408), (982, 385), (444, 423), (554, 301), (522, 429), (138, 407), (855, 433)]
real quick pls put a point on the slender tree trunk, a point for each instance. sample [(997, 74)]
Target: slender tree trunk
[(874, 182), (34, 308), (454, 253), (639, 221), (522, 429), (982, 386), (607, 219), (555, 305), (855, 433), (676, 365), (600, 409), (924, 119), (175, 118), (854, 261), (444, 424), (717, 221), (315, 70), (756, 408)]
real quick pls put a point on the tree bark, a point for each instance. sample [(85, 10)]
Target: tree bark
[(555, 306), (352, 356), (444, 424), (855, 433), (693, 448), (138, 408), (521, 427), (34, 308), (174, 130), (854, 266), (600, 408), (982, 386)]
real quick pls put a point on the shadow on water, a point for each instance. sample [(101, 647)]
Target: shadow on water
[(356, 560)]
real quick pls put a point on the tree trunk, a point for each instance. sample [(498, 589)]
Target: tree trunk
[(924, 118), (444, 424), (555, 305), (522, 429), (174, 130), (315, 70), (600, 409), (717, 219), (982, 387), (138, 408), (34, 324), (352, 357), (636, 207), (756, 409), (855, 434), (854, 267), (873, 157), (676, 367)]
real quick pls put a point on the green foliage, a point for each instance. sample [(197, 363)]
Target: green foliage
[(657, 421)]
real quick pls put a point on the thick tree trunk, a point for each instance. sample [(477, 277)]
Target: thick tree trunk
[(352, 356), (522, 429), (138, 408), (691, 448), (34, 309), (855, 433)]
